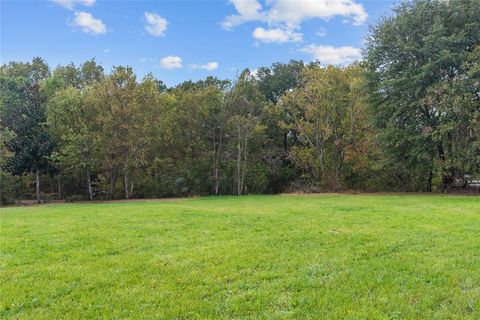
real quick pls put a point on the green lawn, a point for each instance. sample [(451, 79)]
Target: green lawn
[(254, 257)]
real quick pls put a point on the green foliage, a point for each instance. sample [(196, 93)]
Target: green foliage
[(327, 119), (23, 114), (11, 188), (274, 81), (407, 118), (421, 90)]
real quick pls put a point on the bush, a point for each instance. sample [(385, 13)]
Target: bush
[(10, 188)]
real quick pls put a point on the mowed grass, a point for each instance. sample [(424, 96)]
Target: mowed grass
[(253, 257)]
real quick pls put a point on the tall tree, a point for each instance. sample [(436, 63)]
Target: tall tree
[(115, 101), (273, 82), (24, 114), (90, 72), (410, 56), (247, 103), (73, 123), (214, 117), (325, 115)]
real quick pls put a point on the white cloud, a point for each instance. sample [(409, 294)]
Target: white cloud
[(248, 10), (70, 4), (143, 60), (156, 25), (210, 66), (171, 62), (296, 11), (89, 24), (333, 55), (289, 14), (277, 35), (106, 50), (322, 32)]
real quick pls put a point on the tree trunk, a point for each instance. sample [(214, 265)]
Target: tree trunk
[(245, 150), (320, 148), (125, 184), (113, 179), (429, 180), (441, 155), (59, 187), (215, 166), (89, 184), (338, 153), (217, 182), (239, 160), (401, 179), (217, 162), (37, 184)]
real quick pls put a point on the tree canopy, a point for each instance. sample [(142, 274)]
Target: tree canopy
[(407, 118)]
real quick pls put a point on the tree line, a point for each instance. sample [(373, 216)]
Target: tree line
[(405, 118)]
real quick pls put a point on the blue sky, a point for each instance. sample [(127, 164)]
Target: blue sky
[(182, 40)]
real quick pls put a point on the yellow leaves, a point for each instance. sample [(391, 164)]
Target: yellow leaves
[(282, 124)]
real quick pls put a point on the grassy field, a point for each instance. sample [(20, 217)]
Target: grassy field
[(254, 257)]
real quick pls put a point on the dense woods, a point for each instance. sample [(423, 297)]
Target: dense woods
[(405, 118)]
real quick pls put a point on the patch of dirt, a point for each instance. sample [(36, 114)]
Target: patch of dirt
[(377, 193), (20, 203)]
